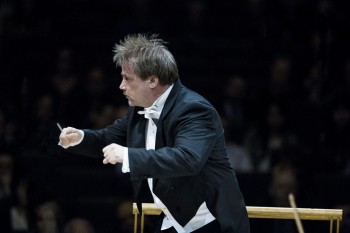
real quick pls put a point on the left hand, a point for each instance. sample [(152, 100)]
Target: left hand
[(113, 154)]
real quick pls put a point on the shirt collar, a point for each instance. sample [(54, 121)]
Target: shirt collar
[(159, 103)]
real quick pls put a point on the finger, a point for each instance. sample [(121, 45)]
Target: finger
[(63, 138), (69, 134), (64, 131), (106, 150), (112, 161), (108, 147), (105, 161), (63, 134), (70, 130), (72, 136)]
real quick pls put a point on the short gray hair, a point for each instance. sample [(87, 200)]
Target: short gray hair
[(148, 55)]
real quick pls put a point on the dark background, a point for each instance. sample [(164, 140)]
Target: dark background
[(292, 54)]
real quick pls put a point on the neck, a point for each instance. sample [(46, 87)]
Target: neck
[(157, 92)]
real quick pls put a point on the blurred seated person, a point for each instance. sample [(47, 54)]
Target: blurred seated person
[(78, 225), (48, 217), (6, 182)]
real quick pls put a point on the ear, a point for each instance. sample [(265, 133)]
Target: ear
[(153, 81)]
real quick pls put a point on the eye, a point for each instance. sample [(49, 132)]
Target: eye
[(127, 79), (124, 78)]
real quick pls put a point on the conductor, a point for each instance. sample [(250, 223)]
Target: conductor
[(171, 141)]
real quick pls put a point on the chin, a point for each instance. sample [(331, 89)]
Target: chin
[(131, 103)]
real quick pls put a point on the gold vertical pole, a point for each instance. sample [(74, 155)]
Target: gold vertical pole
[(331, 226), (142, 221), (135, 222), (338, 225)]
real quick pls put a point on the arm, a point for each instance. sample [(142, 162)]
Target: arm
[(93, 141)]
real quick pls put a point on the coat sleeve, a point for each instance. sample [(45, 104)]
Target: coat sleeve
[(95, 140)]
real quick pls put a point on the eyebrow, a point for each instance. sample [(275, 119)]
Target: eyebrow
[(125, 75)]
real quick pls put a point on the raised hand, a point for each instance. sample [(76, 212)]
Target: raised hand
[(70, 137)]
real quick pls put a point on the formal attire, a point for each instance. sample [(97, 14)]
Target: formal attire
[(189, 165)]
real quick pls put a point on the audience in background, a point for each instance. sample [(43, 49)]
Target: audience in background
[(48, 217), (14, 209), (235, 107), (78, 225), (335, 150), (6, 174), (66, 89), (19, 211), (271, 141), (6, 183), (239, 158), (124, 220), (97, 94), (288, 101), (283, 181)]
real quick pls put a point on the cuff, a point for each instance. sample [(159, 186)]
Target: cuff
[(126, 167)]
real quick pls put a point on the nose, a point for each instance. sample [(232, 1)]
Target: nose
[(122, 86)]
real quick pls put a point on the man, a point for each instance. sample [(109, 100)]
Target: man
[(171, 141)]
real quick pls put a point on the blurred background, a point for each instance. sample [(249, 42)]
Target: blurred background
[(278, 72)]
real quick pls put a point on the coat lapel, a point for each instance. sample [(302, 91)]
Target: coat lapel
[(166, 109), (137, 131)]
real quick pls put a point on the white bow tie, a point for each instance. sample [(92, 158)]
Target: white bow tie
[(150, 113)]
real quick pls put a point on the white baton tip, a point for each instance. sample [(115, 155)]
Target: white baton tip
[(59, 126)]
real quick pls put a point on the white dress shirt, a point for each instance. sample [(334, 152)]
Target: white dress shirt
[(203, 216)]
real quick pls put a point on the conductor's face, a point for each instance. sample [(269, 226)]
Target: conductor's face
[(136, 90)]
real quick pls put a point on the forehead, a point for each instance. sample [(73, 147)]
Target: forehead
[(128, 69)]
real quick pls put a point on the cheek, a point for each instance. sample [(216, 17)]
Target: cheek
[(134, 89)]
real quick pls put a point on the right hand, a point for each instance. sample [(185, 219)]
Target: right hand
[(70, 137)]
